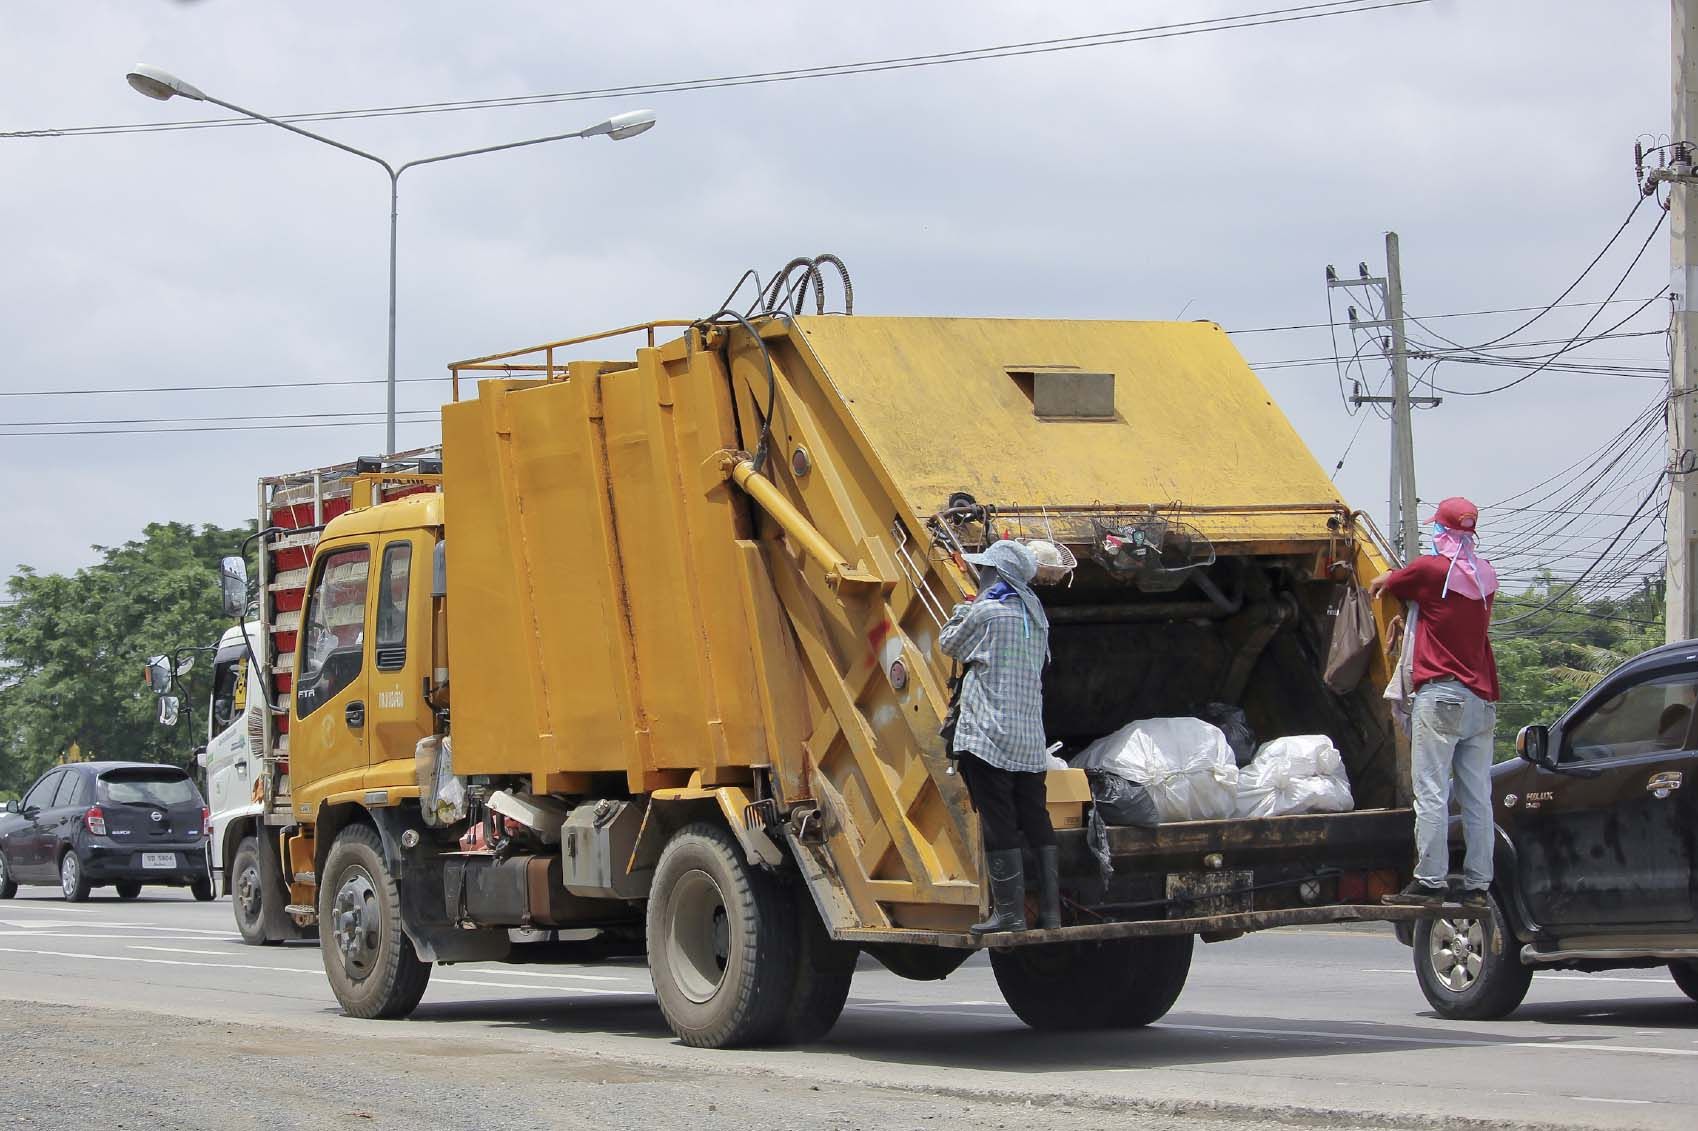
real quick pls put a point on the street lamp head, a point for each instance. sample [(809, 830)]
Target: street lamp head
[(161, 84), (621, 126)]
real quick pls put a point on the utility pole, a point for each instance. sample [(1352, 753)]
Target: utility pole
[(1404, 525), (1682, 587)]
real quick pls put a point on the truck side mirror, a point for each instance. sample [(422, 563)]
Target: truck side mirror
[(200, 757), (1532, 744), (233, 586), (157, 674), (168, 705)]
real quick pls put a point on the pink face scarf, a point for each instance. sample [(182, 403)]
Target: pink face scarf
[(1469, 574)]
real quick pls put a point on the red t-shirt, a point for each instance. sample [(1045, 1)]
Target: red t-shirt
[(1450, 636)]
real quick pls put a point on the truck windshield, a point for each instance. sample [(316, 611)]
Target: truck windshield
[(148, 787)]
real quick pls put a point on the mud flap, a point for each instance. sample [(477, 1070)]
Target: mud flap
[(274, 919), (424, 913)]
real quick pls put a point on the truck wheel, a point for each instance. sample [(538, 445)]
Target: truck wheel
[(373, 969), (721, 942), (1469, 968), (8, 886), (1686, 977), (824, 970), (1120, 984), (248, 894), (127, 889), (72, 883)]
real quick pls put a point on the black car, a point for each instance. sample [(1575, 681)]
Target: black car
[(1596, 865), (90, 824)]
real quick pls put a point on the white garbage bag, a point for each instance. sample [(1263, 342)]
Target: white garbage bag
[(1185, 764), (1299, 774)]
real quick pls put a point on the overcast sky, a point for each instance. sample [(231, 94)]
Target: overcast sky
[(1211, 176)]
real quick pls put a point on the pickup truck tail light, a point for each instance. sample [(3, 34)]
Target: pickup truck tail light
[(95, 821)]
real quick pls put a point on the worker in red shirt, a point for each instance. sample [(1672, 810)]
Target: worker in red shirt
[(1454, 714)]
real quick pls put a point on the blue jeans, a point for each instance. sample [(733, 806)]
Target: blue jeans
[(1452, 739)]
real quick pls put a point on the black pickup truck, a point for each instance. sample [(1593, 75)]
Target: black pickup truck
[(1597, 847)]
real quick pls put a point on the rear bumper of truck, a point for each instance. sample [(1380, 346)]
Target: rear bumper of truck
[(1218, 879)]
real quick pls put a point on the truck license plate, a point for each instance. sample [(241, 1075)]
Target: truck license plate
[(159, 860), (1194, 894)]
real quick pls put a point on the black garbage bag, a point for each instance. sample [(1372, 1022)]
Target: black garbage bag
[(1235, 726), (1122, 802)]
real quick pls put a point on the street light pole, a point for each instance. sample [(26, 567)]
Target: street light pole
[(162, 85)]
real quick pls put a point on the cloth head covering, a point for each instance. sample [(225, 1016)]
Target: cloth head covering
[(1015, 566), (1453, 537)]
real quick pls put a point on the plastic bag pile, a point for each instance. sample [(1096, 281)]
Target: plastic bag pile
[(1185, 765), (1300, 774)]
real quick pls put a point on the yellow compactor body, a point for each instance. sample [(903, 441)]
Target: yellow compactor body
[(660, 665)]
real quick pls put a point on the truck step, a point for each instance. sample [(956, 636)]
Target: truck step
[(301, 909)]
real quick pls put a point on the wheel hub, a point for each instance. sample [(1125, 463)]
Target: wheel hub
[(356, 925), (1457, 952), (698, 942), (68, 873), (248, 892)]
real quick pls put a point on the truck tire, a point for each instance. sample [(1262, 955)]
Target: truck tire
[(1686, 977), (824, 970), (721, 941), (1470, 969), (249, 893), (371, 964), (1119, 984)]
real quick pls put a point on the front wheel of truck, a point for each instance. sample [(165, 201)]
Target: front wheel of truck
[(1119, 984), (721, 942), (1470, 969), (371, 964)]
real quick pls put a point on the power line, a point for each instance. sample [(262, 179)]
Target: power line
[(1265, 18), (210, 428), (118, 389), (1436, 317)]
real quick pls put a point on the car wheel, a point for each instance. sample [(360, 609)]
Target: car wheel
[(372, 966), (8, 886), (1470, 969), (1686, 977), (128, 889), (202, 889), (72, 883)]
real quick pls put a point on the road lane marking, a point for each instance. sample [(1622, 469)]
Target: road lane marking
[(1607, 1100), (100, 938), (1557, 975), (45, 924), (533, 987), (162, 961), (585, 977), (1438, 1042), (181, 950)]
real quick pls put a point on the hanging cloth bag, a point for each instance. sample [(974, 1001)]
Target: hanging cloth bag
[(1352, 644)]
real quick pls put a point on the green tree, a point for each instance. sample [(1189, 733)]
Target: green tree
[(72, 649)]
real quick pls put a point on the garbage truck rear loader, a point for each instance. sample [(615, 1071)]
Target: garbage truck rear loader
[(651, 667)]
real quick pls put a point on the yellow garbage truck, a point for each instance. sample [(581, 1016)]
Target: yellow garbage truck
[(646, 664)]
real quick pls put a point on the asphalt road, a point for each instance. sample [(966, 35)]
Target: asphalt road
[(1299, 1026)]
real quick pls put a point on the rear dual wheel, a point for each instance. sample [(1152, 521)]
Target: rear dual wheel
[(1116, 984), (739, 957)]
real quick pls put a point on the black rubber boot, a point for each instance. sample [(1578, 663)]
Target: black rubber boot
[(1049, 887), (1008, 893)]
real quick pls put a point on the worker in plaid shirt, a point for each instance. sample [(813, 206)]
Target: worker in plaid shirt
[(1002, 640)]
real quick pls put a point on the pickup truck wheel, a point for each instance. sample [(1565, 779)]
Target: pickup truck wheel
[(1470, 969), (1686, 977), (127, 889), (8, 886), (371, 964), (824, 970), (248, 893), (1119, 984), (721, 940)]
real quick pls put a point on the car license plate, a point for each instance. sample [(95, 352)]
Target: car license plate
[(159, 860)]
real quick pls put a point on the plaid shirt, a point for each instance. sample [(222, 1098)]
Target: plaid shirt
[(1002, 707)]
